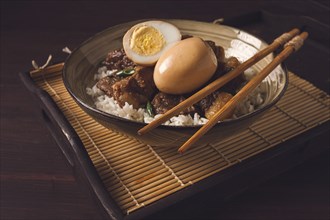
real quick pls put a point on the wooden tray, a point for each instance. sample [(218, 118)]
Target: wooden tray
[(130, 179)]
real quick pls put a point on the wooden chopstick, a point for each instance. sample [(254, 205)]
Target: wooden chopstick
[(218, 83), (224, 112)]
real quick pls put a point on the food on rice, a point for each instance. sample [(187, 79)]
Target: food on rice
[(127, 89), (185, 67), (136, 88), (145, 42)]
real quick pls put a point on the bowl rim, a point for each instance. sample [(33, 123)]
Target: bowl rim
[(180, 127)]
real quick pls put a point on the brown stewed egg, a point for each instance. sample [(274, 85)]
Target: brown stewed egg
[(145, 42), (185, 66)]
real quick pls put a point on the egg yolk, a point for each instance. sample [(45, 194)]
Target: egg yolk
[(147, 40)]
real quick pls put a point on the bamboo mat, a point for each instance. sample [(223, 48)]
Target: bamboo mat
[(136, 174)]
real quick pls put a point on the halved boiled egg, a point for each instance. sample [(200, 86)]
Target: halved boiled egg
[(145, 42)]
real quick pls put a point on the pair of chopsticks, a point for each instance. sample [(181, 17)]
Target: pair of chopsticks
[(291, 43)]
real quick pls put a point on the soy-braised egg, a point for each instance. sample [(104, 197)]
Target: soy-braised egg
[(185, 67), (145, 42)]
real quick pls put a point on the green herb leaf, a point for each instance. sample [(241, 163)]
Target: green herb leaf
[(125, 72), (149, 109)]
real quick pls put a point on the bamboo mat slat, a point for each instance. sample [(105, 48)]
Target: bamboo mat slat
[(136, 174)]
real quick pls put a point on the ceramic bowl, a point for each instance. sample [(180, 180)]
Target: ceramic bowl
[(83, 62)]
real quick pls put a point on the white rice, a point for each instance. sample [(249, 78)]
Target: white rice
[(109, 105)]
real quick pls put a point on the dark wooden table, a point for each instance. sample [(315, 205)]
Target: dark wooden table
[(37, 182)]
